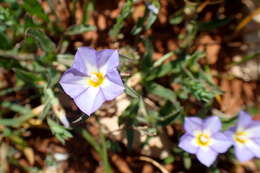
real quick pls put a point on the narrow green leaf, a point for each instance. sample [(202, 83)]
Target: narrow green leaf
[(47, 107), (161, 91), (147, 63), (163, 58), (15, 122), (104, 155), (126, 10), (131, 92), (165, 69), (5, 42), (42, 39), (226, 124), (79, 29), (138, 26), (246, 58), (142, 107), (16, 108), (150, 20), (27, 76), (177, 18), (59, 131), (214, 24), (8, 63), (91, 140), (35, 9), (87, 9), (169, 160), (187, 161), (130, 137)]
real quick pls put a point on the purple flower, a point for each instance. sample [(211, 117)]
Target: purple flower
[(245, 137), (93, 78), (203, 138)]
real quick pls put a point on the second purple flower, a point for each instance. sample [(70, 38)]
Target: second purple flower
[(245, 137), (203, 138)]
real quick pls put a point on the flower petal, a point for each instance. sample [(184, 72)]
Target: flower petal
[(114, 76), (212, 124), (206, 156), (221, 143), (257, 141), (85, 60), (111, 89), (73, 82), (253, 147), (244, 119), (192, 124), (90, 100), (229, 133), (108, 60), (187, 145), (243, 153), (254, 129)]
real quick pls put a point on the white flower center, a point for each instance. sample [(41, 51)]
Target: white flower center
[(96, 79), (203, 139), (241, 137)]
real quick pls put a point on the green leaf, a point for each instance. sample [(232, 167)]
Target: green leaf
[(147, 63), (131, 92), (146, 21), (163, 58), (177, 18), (246, 58), (208, 26), (198, 89), (9, 63), (161, 91), (91, 140), (129, 115), (150, 20), (215, 170), (130, 137), (46, 110), (16, 108), (138, 26), (26, 76), (59, 131), (103, 153), (15, 122), (142, 107), (42, 39), (5, 43), (120, 19), (87, 9), (79, 29), (169, 112), (165, 69), (169, 160), (48, 58), (187, 161), (35, 9), (226, 124)]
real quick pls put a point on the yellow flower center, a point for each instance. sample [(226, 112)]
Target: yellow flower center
[(203, 139), (241, 137), (96, 79)]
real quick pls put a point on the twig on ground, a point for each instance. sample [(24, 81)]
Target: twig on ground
[(155, 163)]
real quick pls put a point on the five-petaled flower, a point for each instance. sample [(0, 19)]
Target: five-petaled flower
[(245, 137), (93, 78), (203, 138)]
